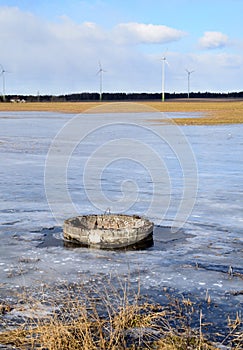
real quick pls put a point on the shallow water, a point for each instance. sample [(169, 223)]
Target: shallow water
[(98, 156)]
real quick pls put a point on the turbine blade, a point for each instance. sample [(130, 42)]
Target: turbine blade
[(189, 71)]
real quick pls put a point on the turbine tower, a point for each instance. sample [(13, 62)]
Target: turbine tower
[(188, 81), (2, 73), (100, 72), (163, 77)]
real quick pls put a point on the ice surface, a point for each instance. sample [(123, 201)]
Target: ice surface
[(196, 259)]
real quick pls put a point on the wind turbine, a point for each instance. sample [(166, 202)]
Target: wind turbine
[(2, 73), (188, 81), (164, 60), (100, 72)]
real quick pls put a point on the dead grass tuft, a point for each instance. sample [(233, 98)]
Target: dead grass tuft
[(112, 318)]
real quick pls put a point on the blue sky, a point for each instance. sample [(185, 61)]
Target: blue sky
[(54, 47)]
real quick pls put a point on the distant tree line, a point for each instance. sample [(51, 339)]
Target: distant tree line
[(117, 96)]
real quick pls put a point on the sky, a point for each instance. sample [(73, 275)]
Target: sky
[(58, 47)]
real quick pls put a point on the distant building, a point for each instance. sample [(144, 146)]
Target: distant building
[(17, 100)]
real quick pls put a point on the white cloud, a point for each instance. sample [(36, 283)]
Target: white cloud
[(213, 40), (212, 71), (146, 33), (48, 56), (68, 30), (62, 56)]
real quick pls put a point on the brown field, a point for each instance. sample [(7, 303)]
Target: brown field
[(211, 111)]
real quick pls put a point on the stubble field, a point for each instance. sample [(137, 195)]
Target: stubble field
[(211, 112)]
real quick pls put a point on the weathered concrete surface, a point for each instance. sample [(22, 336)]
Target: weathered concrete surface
[(107, 231)]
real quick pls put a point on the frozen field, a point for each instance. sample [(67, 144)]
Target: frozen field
[(203, 253)]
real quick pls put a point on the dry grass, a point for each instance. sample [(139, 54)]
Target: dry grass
[(113, 321), (64, 107), (214, 112)]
